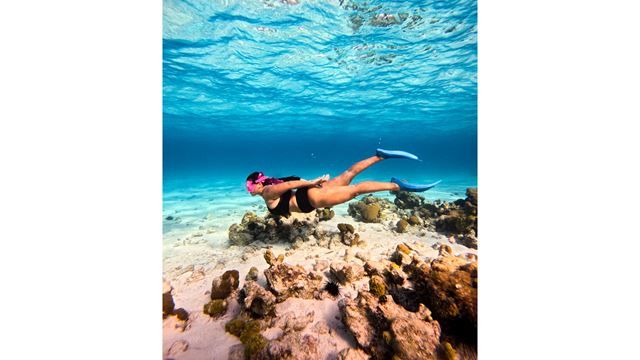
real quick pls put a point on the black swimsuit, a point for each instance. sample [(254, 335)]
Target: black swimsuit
[(302, 198)]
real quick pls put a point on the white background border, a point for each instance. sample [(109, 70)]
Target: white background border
[(81, 158)]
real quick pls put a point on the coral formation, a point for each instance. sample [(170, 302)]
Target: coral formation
[(252, 274), (348, 236), (215, 308), (269, 229), (377, 286), (252, 339), (257, 300), (402, 226), (385, 329), (462, 217), (325, 214), (369, 209), (346, 272), (407, 200), (292, 281), (449, 351), (224, 285), (182, 314), (271, 259), (449, 288), (235, 326), (414, 220), (167, 300)]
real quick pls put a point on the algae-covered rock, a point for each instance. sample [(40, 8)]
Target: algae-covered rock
[(289, 322), (472, 196), (346, 272), (414, 220), (286, 280), (252, 274), (167, 300), (403, 248), (371, 213), (291, 346), (414, 339), (456, 222), (269, 229), (346, 228), (449, 288), (354, 316), (271, 259), (235, 326), (402, 226), (369, 209), (325, 214), (407, 200), (449, 351), (252, 339), (257, 300), (182, 314), (461, 217), (374, 267), (427, 211), (238, 235), (215, 308), (224, 285), (249, 333), (386, 329), (377, 286), (348, 235), (401, 255), (444, 248), (469, 241), (395, 274)]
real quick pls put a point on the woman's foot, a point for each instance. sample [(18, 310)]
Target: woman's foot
[(404, 185), (388, 154)]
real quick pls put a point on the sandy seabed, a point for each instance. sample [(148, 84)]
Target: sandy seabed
[(196, 251)]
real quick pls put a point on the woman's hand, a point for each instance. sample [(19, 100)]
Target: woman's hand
[(320, 180)]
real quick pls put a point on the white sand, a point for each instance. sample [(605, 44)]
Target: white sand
[(201, 255)]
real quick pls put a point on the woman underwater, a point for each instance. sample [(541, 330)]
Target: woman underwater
[(309, 195)]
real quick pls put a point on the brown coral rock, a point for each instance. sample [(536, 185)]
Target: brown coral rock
[(291, 346), (386, 329), (222, 286), (286, 280), (346, 272), (449, 288), (257, 300)]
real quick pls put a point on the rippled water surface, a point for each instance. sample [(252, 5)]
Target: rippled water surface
[(307, 87)]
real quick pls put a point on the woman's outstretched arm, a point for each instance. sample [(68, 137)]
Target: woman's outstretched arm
[(274, 191)]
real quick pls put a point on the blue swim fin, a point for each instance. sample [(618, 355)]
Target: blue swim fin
[(387, 154), (404, 185)]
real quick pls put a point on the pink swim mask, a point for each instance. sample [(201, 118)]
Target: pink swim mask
[(251, 184)]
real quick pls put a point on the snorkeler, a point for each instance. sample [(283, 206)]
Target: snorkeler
[(321, 192)]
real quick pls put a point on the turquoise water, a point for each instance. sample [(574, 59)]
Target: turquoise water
[(310, 88)]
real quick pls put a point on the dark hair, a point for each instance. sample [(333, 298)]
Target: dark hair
[(269, 181), (254, 176)]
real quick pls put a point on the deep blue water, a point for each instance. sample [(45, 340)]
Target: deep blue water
[(310, 88)]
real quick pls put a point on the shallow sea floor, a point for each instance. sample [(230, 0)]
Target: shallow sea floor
[(196, 250)]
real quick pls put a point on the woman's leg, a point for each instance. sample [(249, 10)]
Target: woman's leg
[(331, 196), (346, 177)]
